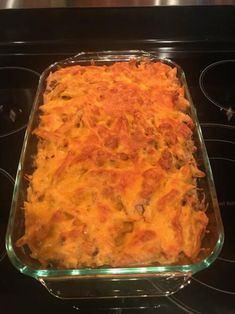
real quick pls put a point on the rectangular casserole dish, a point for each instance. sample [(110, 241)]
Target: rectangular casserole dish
[(109, 281)]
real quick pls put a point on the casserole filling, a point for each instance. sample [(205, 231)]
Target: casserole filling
[(115, 180)]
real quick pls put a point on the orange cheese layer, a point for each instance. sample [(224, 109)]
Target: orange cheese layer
[(115, 180)]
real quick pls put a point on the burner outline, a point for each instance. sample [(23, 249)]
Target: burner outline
[(12, 180), (228, 111), (229, 160), (23, 69), (214, 288), (183, 306), (208, 124), (177, 302), (231, 127), (221, 259), (221, 158)]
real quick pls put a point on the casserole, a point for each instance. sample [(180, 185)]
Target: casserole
[(137, 280)]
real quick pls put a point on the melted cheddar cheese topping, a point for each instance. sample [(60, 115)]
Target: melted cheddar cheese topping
[(115, 180)]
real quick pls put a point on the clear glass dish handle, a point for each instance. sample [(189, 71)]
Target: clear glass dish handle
[(95, 288), (107, 56)]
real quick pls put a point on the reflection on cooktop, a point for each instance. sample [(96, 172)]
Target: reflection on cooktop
[(17, 91), (217, 82), (14, 109)]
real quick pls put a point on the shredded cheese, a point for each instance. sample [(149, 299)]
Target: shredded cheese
[(115, 181)]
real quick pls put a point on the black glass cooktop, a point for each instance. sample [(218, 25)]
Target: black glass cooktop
[(211, 290), (209, 70)]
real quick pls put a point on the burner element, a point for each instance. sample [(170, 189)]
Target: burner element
[(6, 190), (17, 91), (217, 82)]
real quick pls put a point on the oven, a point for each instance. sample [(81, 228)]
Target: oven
[(200, 38)]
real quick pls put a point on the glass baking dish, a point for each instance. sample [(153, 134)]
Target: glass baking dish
[(111, 282)]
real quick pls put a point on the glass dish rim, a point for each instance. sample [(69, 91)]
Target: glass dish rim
[(113, 271)]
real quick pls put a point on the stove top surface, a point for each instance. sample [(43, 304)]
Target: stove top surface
[(211, 290), (210, 76)]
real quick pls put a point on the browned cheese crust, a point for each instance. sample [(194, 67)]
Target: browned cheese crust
[(115, 180)]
